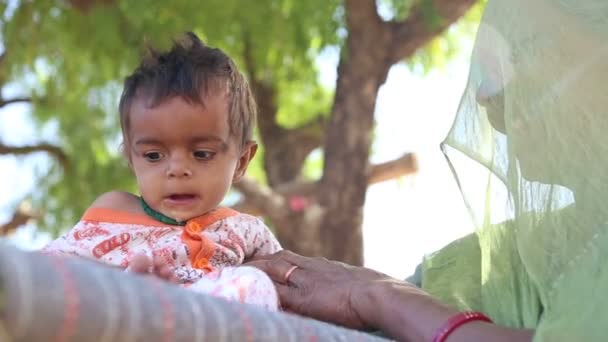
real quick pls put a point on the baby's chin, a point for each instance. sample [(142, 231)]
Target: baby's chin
[(181, 216)]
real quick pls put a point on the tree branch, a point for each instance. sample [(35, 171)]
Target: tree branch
[(361, 16), (257, 204), (4, 102), (20, 217), (84, 6), (402, 166), (405, 165), (427, 19), (310, 134), (248, 208), (263, 91), (269, 202), (257, 196), (53, 150), (298, 187)]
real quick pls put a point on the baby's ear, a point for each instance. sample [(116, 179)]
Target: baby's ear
[(247, 153)]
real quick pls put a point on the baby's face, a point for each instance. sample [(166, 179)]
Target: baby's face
[(182, 154)]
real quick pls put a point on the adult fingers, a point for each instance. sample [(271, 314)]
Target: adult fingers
[(276, 268), (283, 254), (290, 298), (260, 257), (315, 265), (295, 259)]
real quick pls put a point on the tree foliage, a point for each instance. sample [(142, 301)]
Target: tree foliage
[(76, 58)]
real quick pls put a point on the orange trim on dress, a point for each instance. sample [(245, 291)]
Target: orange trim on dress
[(119, 216), (200, 247)]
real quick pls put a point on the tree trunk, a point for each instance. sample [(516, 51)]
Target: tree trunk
[(284, 154), (345, 176), (285, 150), (300, 234), (330, 223), (346, 156)]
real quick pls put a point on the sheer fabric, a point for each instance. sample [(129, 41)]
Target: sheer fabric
[(529, 149)]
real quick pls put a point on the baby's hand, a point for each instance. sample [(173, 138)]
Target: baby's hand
[(141, 263)]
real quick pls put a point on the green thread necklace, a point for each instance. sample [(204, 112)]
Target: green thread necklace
[(158, 216)]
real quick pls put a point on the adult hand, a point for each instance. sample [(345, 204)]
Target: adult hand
[(326, 290)]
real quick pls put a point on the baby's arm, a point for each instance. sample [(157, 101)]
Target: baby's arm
[(238, 238), (83, 238), (118, 200), (259, 238), (66, 245)]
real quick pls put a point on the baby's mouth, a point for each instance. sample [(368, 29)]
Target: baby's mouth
[(181, 197)]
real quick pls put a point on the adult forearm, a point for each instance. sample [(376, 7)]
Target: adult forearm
[(407, 313)]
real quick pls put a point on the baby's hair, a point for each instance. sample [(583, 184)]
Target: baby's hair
[(193, 71)]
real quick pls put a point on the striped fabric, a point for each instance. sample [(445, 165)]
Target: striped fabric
[(47, 298)]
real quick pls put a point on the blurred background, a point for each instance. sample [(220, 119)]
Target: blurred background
[(354, 100)]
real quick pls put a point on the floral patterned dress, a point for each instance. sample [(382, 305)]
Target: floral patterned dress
[(205, 254)]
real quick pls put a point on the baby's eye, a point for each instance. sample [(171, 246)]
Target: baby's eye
[(203, 155), (153, 156)]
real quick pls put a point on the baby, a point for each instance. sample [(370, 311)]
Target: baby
[(187, 117)]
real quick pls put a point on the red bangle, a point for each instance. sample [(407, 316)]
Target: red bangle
[(456, 321)]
